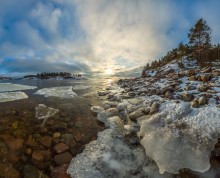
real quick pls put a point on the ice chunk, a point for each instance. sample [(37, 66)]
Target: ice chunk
[(80, 87), (14, 87), (181, 137), (62, 92), (11, 96), (44, 112)]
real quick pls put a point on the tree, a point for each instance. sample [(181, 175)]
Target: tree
[(199, 38)]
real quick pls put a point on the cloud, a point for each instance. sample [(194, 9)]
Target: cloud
[(95, 34)]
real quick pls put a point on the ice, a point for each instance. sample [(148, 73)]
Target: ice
[(14, 87), (61, 92), (181, 137), (80, 87), (11, 96), (44, 112)]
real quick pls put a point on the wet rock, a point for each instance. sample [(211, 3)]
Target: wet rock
[(60, 148), (15, 125), (187, 96), (168, 95), (46, 141), (103, 93), (112, 112), (7, 171), (63, 158), (14, 144), (41, 155), (121, 107), (109, 104), (191, 72), (202, 100), (56, 135), (30, 171), (60, 172), (154, 108), (67, 138), (31, 142), (96, 109), (59, 127), (190, 87), (28, 151), (192, 78)]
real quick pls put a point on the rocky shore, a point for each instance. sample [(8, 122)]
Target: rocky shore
[(163, 124)]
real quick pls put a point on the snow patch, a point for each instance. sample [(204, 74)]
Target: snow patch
[(61, 92)]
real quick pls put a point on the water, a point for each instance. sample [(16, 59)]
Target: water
[(18, 124)]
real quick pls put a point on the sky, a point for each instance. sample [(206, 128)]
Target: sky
[(95, 35)]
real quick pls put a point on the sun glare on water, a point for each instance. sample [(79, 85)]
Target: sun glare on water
[(109, 71)]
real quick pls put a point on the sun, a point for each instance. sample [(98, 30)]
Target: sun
[(108, 71)]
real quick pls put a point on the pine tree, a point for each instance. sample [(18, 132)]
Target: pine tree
[(200, 38)]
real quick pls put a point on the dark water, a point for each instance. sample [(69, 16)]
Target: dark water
[(18, 125)]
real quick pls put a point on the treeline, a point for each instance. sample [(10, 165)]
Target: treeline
[(46, 75), (199, 48)]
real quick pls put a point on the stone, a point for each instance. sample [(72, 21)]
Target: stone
[(31, 142), (46, 141), (96, 109), (191, 72), (30, 171), (7, 171), (136, 114), (121, 107), (168, 95), (60, 172), (60, 148), (67, 138), (192, 78), (14, 144), (187, 96), (195, 104), (63, 158), (56, 135), (203, 88), (15, 125), (190, 87), (28, 151), (41, 155), (205, 78), (154, 108), (202, 100), (112, 112)]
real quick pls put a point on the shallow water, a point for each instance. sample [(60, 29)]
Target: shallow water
[(18, 124)]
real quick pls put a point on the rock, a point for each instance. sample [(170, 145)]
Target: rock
[(31, 142), (112, 112), (60, 172), (96, 109), (63, 158), (46, 141), (203, 88), (109, 104), (121, 107), (136, 114), (154, 108), (7, 171), (41, 155), (191, 72), (195, 104), (14, 144), (103, 93), (202, 100), (60, 148), (187, 96), (168, 95), (190, 87), (205, 78), (192, 78), (67, 138), (56, 135), (146, 110), (28, 151), (15, 125), (30, 171)]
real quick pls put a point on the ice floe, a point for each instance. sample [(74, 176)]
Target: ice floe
[(80, 87), (61, 92), (181, 137), (11, 96), (14, 87)]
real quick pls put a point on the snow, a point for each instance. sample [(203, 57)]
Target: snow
[(14, 87), (12, 96), (181, 137), (61, 92), (80, 87)]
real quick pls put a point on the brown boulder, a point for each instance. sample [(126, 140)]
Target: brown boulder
[(60, 172), (63, 158), (46, 141), (60, 148)]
